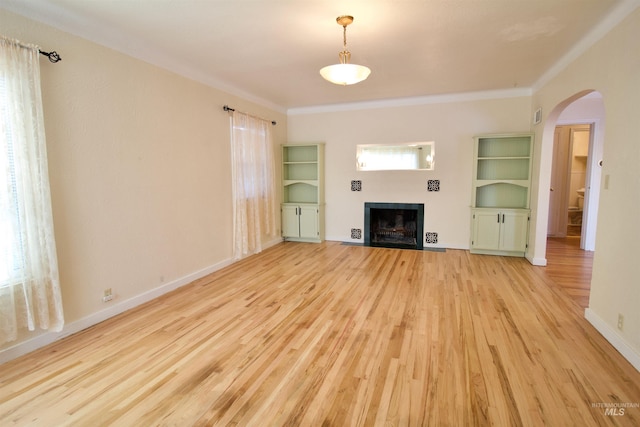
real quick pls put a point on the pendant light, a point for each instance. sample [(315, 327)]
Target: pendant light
[(345, 73)]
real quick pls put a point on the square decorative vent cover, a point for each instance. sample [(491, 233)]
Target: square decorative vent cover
[(356, 233), (432, 237), (356, 185), (433, 185)]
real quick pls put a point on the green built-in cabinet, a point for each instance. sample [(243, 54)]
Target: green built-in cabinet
[(303, 192), (501, 190)]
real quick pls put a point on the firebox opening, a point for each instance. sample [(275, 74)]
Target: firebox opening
[(394, 225)]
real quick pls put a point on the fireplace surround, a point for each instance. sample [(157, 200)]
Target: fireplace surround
[(394, 225)]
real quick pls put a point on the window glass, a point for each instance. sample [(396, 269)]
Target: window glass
[(409, 156)]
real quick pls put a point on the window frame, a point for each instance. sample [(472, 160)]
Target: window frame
[(377, 157)]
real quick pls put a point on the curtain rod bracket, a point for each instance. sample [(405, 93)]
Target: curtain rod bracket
[(53, 56)]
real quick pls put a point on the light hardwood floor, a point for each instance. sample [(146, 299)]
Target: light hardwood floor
[(335, 335), (570, 267)]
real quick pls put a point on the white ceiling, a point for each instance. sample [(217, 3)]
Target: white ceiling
[(270, 51)]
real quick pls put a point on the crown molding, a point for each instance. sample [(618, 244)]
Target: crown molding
[(412, 101), (55, 16)]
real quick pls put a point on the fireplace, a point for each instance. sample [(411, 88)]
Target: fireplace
[(394, 225)]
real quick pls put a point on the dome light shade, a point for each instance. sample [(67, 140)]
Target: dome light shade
[(345, 73)]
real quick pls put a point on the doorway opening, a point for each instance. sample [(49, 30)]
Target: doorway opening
[(576, 171), (575, 191), (568, 180)]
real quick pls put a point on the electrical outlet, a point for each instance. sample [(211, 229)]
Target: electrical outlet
[(107, 295), (620, 321)]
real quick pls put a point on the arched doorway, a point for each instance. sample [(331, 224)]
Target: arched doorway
[(570, 258), (576, 170)]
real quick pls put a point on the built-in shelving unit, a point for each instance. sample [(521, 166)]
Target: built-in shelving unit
[(303, 192), (501, 193)]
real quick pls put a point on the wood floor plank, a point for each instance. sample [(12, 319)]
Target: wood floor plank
[(340, 335), (570, 268)]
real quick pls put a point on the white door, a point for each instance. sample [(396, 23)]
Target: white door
[(557, 226)]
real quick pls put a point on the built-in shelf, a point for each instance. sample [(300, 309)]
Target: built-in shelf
[(303, 192), (502, 176), (500, 194)]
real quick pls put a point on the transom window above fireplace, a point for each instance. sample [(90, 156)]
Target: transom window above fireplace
[(407, 156)]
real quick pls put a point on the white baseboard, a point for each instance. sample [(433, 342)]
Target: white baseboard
[(610, 334), (273, 242), (540, 262), (342, 239), (46, 338)]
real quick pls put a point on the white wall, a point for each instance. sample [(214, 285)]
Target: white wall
[(139, 163), (451, 124), (612, 68)]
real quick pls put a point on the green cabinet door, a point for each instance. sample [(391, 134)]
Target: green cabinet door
[(486, 229), (290, 221), (499, 231), (308, 222), (513, 234)]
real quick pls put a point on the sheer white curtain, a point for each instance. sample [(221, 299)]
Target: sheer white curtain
[(389, 158), (30, 294), (253, 176)]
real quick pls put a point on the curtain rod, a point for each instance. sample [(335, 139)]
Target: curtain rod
[(227, 108), (53, 56)]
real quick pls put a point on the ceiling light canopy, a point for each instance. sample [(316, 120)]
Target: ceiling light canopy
[(345, 73)]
